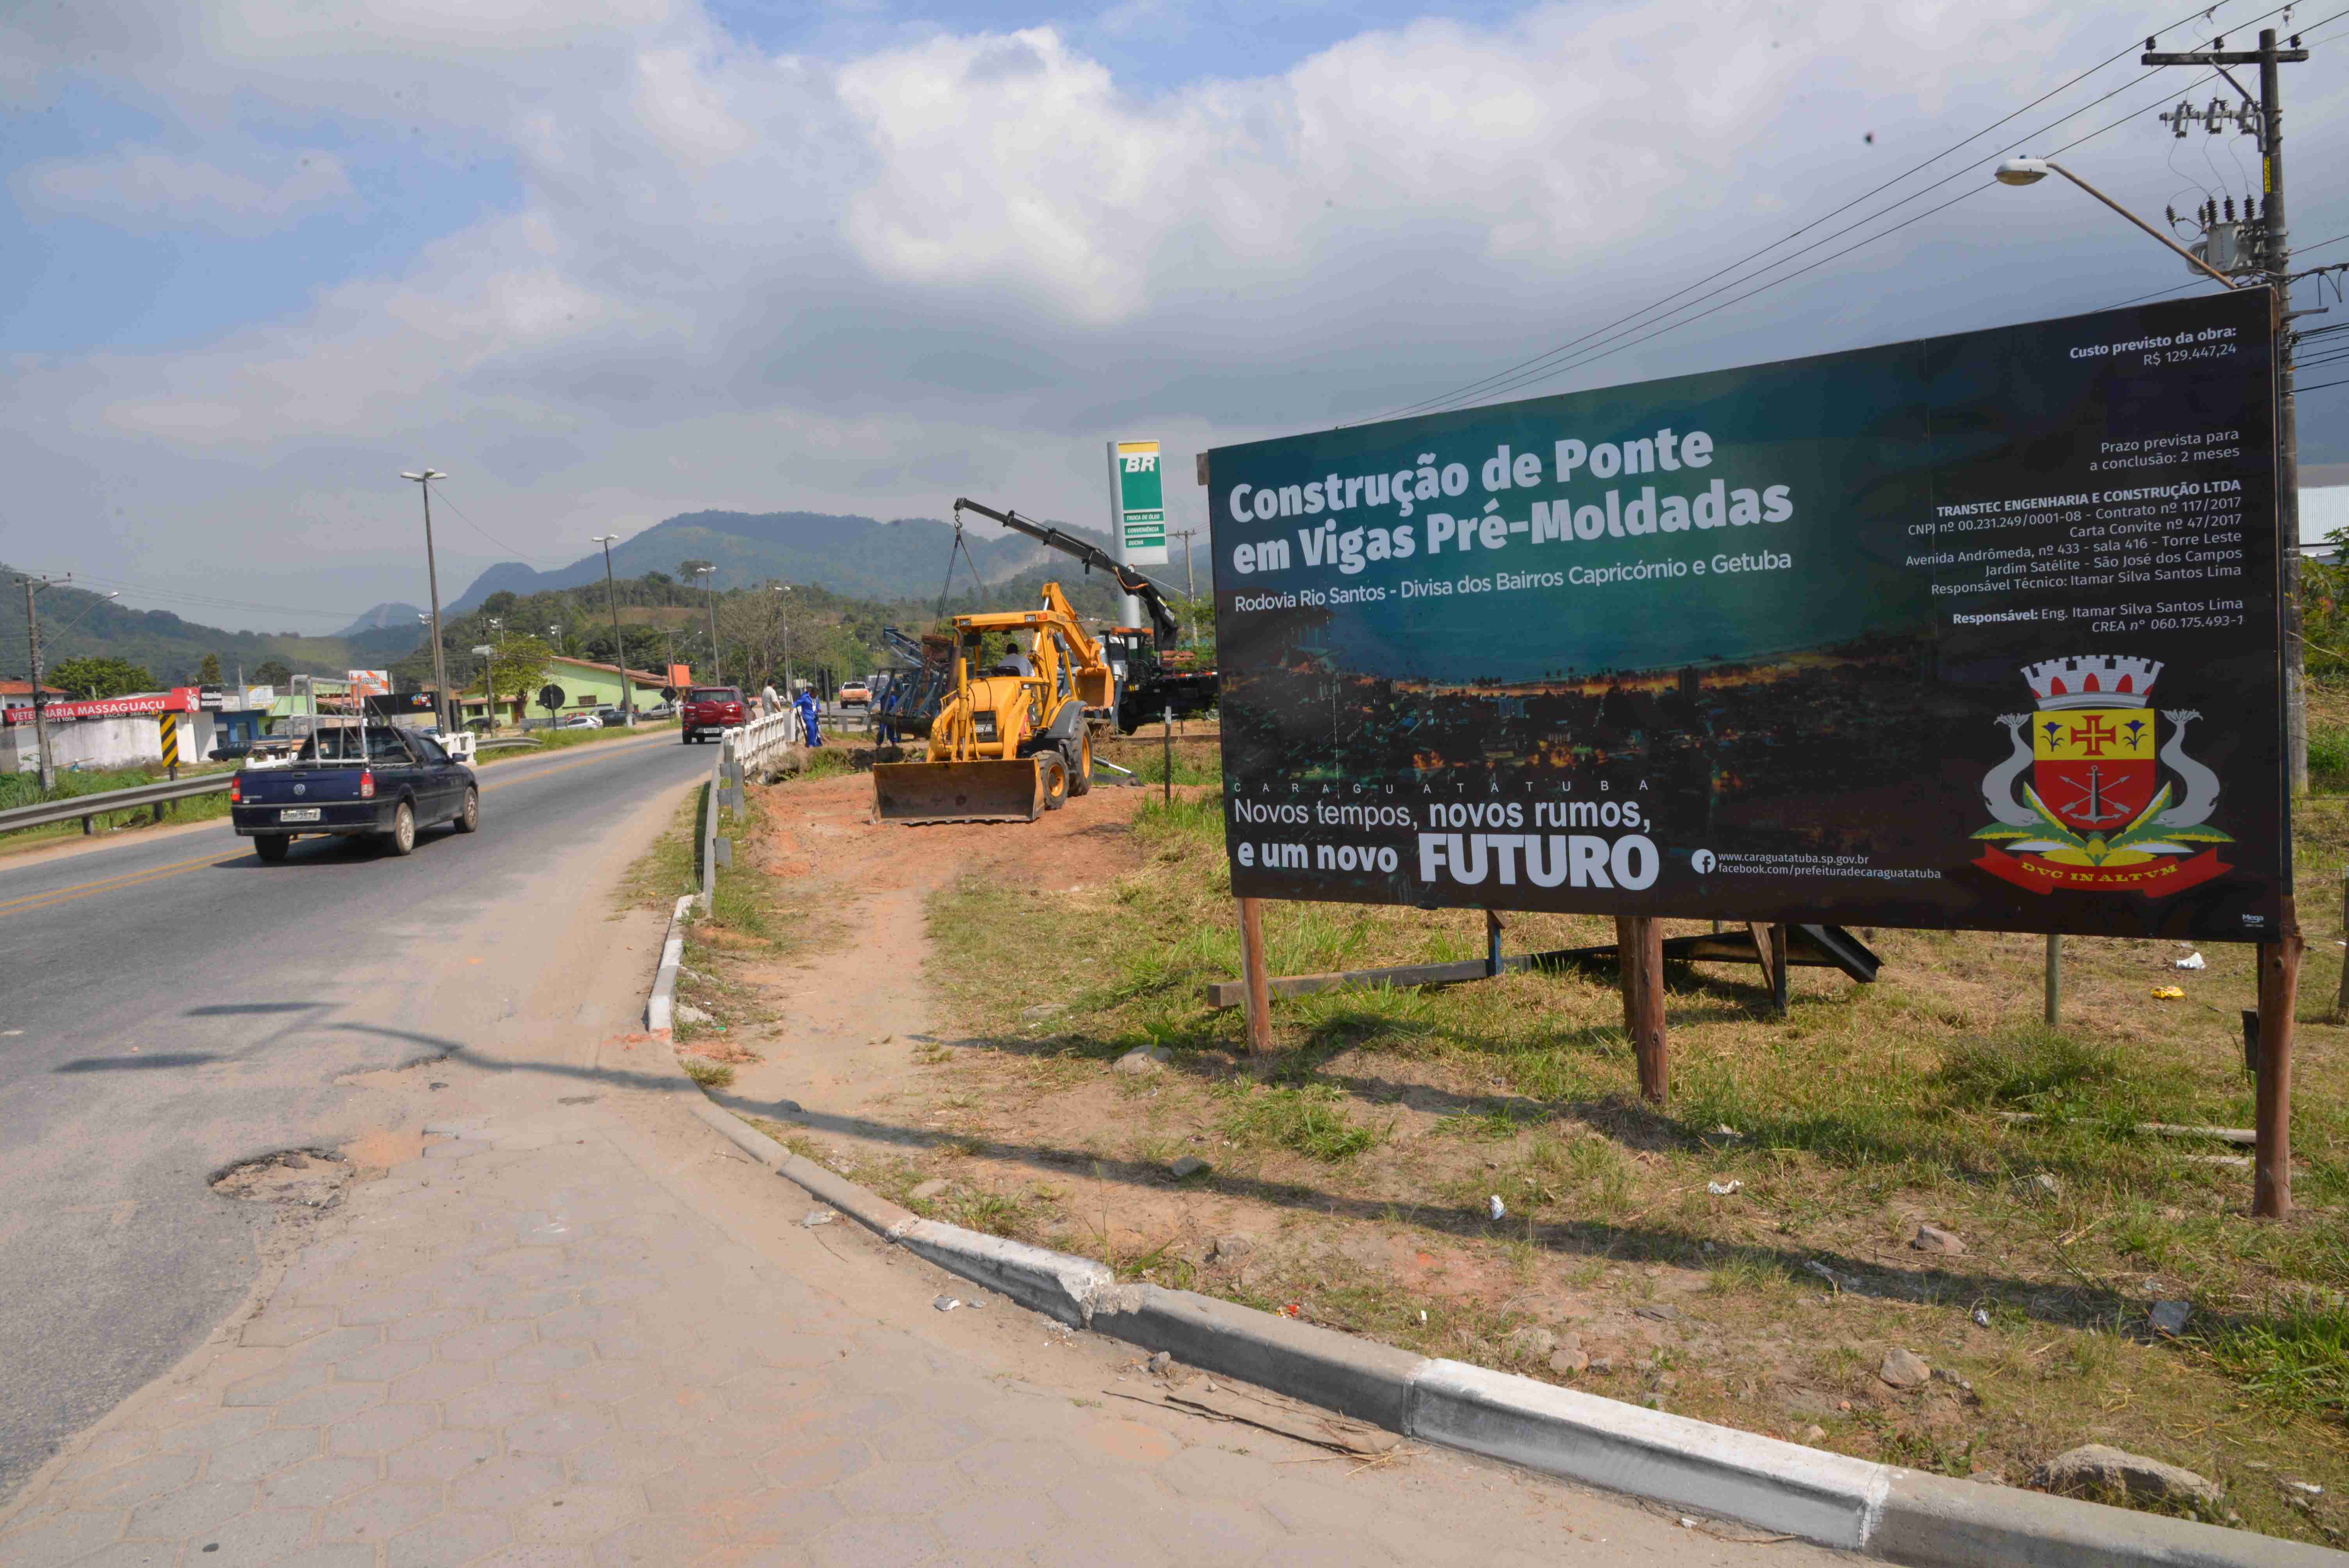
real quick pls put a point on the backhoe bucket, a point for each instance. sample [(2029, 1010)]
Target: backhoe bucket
[(993, 791)]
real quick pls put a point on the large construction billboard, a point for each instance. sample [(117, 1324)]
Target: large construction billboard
[(1979, 631)]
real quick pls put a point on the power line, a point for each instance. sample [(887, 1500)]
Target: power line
[(1513, 376), (202, 599), (1597, 353), (494, 538)]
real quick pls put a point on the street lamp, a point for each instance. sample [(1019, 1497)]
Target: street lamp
[(2032, 170), (707, 571), (619, 648), (423, 479)]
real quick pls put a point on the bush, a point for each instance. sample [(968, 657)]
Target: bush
[(2328, 757)]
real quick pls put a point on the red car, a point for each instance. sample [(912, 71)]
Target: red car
[(708, 709)]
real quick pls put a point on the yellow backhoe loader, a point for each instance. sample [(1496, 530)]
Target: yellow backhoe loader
[(1014, 738)]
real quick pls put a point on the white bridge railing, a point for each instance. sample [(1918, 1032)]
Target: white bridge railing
[(740, 751)]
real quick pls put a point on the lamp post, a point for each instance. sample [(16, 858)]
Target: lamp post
[(2031, 172), (423, 479), (707, 572), (786, 588), (619, 648)]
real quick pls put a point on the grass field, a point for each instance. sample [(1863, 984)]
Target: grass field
[(1743, 1256)]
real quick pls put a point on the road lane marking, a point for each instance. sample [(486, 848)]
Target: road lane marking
[(33, 902), (30, 901)]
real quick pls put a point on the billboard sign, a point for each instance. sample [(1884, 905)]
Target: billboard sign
[(368, 682), (1137, 499), (1974, 631)]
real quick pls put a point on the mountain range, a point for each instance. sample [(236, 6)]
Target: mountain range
[(861, 557), (75, 623), (384, 618), (902, 561)]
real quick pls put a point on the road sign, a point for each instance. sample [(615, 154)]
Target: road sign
[(550, 697), (668, 693), (1979, 632), (171, 742), (1137, 500)]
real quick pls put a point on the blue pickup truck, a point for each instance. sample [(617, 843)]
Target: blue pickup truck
[(382, 784)]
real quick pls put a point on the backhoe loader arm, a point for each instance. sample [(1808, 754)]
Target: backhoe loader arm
[(1162, 619)]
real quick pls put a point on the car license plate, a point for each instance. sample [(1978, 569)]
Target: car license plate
[(298, 814)]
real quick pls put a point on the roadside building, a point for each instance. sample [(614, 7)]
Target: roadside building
[(585, 685), (106, 733)]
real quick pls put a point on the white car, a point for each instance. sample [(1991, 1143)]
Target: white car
[(581, 721)]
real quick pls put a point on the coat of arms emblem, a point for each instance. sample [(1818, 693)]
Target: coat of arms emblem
[(2096, 813)]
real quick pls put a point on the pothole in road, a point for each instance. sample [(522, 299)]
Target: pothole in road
[(298, 1178)]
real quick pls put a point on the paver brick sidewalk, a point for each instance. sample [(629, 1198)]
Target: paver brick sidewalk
[(521, 1349)]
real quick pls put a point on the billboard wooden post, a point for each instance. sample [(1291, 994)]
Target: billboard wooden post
[(2341, 996), (1639, 946), (1494, 927), (2271, 1121), (1256, 975)]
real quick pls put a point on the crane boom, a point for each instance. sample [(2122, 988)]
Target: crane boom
[(1162, 619)]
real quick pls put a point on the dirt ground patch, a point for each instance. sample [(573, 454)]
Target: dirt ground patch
[(1750, 1257), (299, 1178)]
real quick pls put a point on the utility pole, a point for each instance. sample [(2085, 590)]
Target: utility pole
[(40, 720), (432, 578), (2272, 253), (2278, 961), (1190, 584), (619, 648)]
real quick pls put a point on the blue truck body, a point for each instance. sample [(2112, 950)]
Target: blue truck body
[(383, 784)]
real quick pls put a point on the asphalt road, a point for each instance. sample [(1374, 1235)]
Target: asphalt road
[(168, 1005)]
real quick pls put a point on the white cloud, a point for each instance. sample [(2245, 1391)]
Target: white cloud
[(146, 188), (743, 278)]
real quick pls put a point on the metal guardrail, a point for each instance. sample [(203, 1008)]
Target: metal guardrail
[(88, 806)]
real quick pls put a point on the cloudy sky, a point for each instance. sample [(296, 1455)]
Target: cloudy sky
[(605, 260)]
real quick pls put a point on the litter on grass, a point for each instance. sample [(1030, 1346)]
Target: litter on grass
[(2168, 994), (2192, 961), (1495, 1207), (1722, 1189)]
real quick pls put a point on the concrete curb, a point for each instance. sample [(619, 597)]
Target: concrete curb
[(660, 1007), (1857, 1505), (1780, 1487)]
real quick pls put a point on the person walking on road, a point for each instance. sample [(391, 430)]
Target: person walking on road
[(769, 703), (813, 735)]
